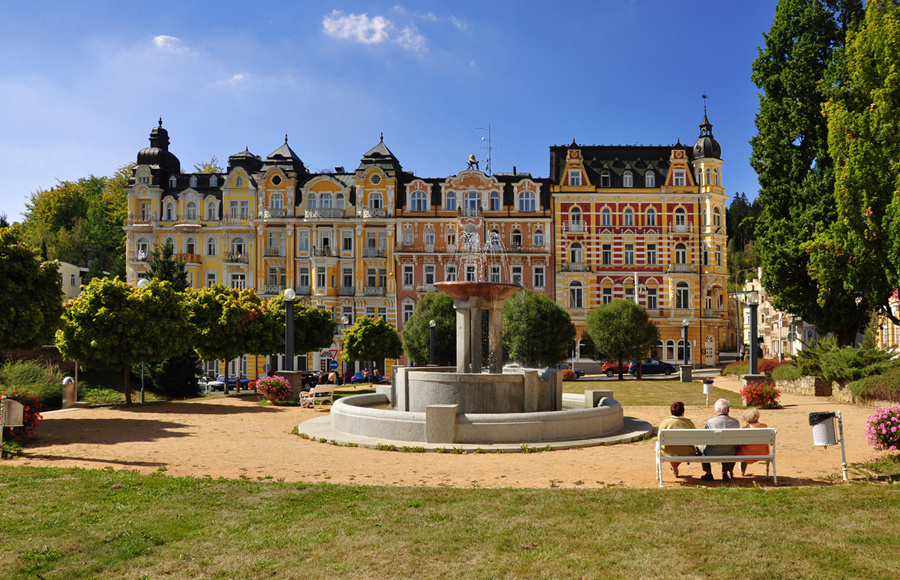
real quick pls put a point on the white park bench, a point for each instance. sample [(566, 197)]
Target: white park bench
[(715, 437)]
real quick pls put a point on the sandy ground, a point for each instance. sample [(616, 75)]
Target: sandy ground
[(234, 437)]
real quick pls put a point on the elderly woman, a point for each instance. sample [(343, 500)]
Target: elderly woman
[(751, 417), (677, 421)]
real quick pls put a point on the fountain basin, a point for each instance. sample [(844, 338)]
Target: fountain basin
[(490, 291)]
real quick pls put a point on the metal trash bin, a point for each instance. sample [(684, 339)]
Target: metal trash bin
[(823, 429), (707, 386)]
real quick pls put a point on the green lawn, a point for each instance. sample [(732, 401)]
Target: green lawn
[(104, 524), (654, 392)]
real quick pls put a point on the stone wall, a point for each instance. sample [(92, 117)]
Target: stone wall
[(809, 386)]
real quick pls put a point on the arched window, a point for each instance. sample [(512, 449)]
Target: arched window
[(604, 179), (213, 181), (670, 350), (650, 179), (190, 246), (450, 203), (716, 173), (526, 201), (576, 295), (408, 237), (628, 217), (681, 353), (628, 179), (312, 201), (682, 295), (516, 238), (539, 238), (576, 254), (680, 254), (717, 217), (339, 201), (651, 216), (708, 176), (211, 247), (679, 217), (451, 237), (495, 239), (171, 242), (418, 201), (143, 249), (239, 182), (495, 201), (703, 216), (325, 200), (277, 201), (472, 200), (173, 181), (429, 236), (606, 217), (170, 211), (211, 213), (376, 200), (238, 247), (191, 211), (193, 181), (71, 279)]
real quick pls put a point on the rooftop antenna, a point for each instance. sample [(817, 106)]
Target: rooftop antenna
[(487, 164), (704, 104)]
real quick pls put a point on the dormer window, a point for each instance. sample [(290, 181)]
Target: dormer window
[(173, 181), (213, 181), (239, 182), (526, 201), (418, 201), (575, 177), (650, 179), (679, 178), (628, 179), (193, 181), (604, 179), (450, 204)]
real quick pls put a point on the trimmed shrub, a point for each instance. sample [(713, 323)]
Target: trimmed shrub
[(883, 428), (883, 387), (760, 395), (30, 420), (827, 359), (737, 368), (769, 364), (786, 372), (274, 388)]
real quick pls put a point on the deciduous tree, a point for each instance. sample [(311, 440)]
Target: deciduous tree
[(437, 306), (536, 330), (790, 155), (622, 331), (114, 325), (314, 328), (31, 298), (371, 340)]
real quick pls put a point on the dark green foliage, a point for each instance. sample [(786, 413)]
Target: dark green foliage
[(371, 340), (163, 266), (841, 364), (35, 379), (882, 387), (175, 378), (536, 330), (314, 328), (786, 372), (437, 306), (622, 331), (737, 368), (791, 157), (31, 298)]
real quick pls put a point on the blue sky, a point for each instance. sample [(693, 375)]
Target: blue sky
[(82, 84)]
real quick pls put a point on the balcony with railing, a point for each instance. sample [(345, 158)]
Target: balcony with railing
[(469, 211), (139, 256), (273, 288), (232, 258), (235, 220), (274, 212), (189, 258), (303, 290), (574, 227), (526, 249), (273, 252), (683, 268), (374, 252), (575, 267), (325, 213), (374, 291), (429, 248), (189, 223), (346, 291), (374, 212), (681, 229), (324, 252), (144, 219)]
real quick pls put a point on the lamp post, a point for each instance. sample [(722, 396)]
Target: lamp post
[(753, 302), (431, 349), (289, 296), (140, 283), (684, 333)]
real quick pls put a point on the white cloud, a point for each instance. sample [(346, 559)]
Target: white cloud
[(169, 43), (234, 80), (458, 23), (377, 30)]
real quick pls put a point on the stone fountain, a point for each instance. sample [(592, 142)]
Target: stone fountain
[(464, 406)]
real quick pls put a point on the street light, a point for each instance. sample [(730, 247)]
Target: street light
[(431, 350), (753, 302), (289, 296), (140, 284), (684, 332)]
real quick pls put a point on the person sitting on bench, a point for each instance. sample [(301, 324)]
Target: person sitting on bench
[(720, 421)]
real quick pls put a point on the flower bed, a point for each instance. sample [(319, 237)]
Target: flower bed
[(883, 428), (275, 388), (30, 420), (760, 395)]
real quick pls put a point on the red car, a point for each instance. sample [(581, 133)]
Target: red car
[(612, 368)]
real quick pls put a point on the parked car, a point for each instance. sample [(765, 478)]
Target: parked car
[(358, 377), (245, 382), (651, 366), (207, 384), (563, 367), (612, 368)]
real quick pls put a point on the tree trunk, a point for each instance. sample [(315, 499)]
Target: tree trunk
[(127, 386)]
